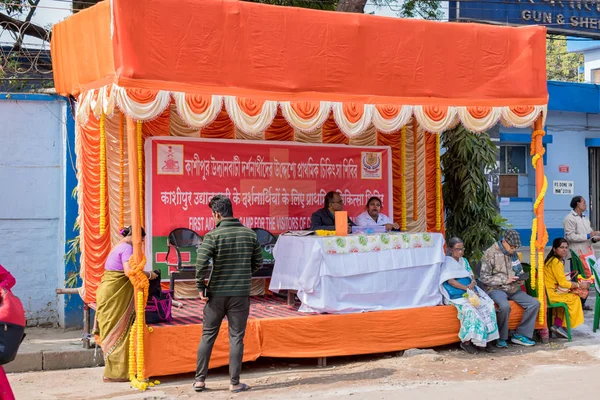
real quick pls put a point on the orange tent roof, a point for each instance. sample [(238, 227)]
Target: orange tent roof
[(229, 47)]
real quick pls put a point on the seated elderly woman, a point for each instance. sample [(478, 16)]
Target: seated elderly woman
[(560, 289), (477, 315)]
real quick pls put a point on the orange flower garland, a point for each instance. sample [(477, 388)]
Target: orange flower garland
[(140, 143), (438, 186), (532, 254), (136, 337), (403, 179), (121, 172), (102, 174), (415, 170), (539, 240)]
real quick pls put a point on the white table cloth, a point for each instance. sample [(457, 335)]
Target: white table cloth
[(332, 276)]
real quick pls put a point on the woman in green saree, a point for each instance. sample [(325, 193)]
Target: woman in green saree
[(115, 310)]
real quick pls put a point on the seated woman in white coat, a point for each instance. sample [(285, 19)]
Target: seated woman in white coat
[(478, 325), (373, 216)]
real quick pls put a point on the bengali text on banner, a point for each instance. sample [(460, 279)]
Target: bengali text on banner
[(274, 186)]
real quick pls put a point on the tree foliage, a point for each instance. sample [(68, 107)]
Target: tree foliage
[(560, 64), (315, 4), (469, 203), (428, 9)]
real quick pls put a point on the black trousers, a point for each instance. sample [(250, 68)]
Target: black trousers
[(236, 309)]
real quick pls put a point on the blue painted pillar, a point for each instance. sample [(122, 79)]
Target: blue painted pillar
[(73, 303)]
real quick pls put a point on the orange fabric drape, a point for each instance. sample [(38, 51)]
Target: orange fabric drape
[(331, 134), (221, 128), (250, 107), (158, 126), (394, 142), (95, 247), (430, 162), (248, 49), (279, 130)]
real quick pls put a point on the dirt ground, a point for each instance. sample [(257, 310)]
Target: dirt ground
[(544, 371)]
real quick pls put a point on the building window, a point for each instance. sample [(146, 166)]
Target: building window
[(513, 160)]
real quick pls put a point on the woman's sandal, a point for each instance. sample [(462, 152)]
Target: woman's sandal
[(199, 389), (243, 387)]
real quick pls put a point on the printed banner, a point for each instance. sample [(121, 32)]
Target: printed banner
[(274, 186)]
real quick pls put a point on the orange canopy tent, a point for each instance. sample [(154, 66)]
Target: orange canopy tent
[(150, 68)]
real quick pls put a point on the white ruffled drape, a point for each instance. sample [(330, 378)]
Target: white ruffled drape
[(142, 111), (193, 119), (305, 125), (431, 118), (352, 129), (251, 125), (449, 121), (393, 124)]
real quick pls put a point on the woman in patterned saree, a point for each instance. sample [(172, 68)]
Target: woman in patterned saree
[(115, 309), (478, 326)]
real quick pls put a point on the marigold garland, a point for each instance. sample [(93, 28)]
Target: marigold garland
[(438, 186), (102, 174), (532, 254), (140, 145), (132, 364), (541, 287), (415, 170), (403, 177), (322, 232), (136, 339), (121, 171), (541, 238)]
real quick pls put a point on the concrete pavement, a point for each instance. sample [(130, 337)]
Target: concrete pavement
[(46, 349)]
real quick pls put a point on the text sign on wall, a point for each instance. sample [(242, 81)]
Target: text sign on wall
[(274, 186), (563, 168), (564, 187), (576, 17)]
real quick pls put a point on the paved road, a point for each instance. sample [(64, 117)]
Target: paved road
[(544, 372)]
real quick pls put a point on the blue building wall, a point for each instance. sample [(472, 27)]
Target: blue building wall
[(573, 122), (38, 211)]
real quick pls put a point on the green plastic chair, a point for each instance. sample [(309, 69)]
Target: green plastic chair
[(577, 264), (549, 305), (597, 307)]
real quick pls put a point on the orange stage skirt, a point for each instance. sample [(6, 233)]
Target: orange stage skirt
[(171, 349)]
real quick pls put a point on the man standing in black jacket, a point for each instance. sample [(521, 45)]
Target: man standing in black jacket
[(325, 217)]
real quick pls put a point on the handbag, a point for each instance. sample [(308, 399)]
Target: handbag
[(583, 293), (12, 325), (160, 302)]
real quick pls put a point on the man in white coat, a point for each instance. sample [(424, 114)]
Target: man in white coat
[(578, 231)]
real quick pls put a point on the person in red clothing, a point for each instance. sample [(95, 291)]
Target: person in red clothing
[(7, 281)]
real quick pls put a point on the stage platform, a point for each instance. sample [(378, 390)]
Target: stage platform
[(278, 330)]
